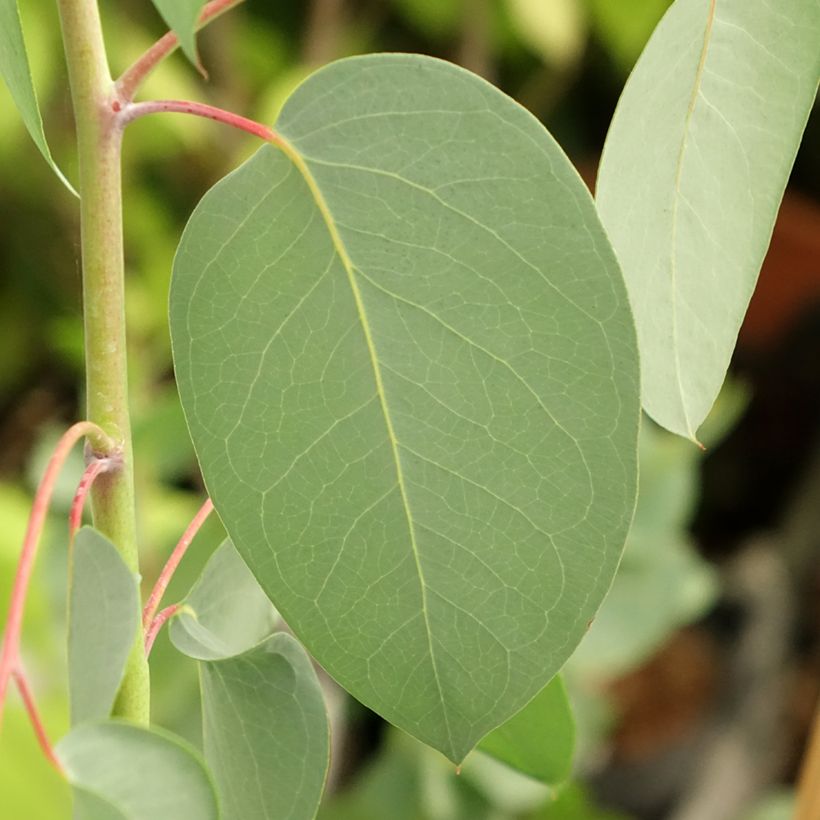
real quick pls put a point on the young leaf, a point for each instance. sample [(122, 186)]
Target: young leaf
[(103, 618), (225, 612), (264, 719), (119, 770), (692, 175), (182, 17), (266, 732), (408, 364), (539, 741), (14, 69)]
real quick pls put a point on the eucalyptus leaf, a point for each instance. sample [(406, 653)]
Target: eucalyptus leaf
[(538, 741), (15, 71), (407, 360), (691, 178), (120, 770), (103, 619), (182, 17), (226, 611), (266, 732)]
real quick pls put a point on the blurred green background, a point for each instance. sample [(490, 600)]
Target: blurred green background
[(670, 670)]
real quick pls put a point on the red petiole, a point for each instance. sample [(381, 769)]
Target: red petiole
[(133, 77), (132, 111), (9, 659), (31, 707), (168, 570)]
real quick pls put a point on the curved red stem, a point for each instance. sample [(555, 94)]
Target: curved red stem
[(11, 641), (132, 111), (34, 716), (168, 570), (132, 78)]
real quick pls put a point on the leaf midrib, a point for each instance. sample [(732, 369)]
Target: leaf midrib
[(299, 162), (696, 86)]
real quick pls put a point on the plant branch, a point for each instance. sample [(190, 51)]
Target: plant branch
[(153, 630), (133, 111), (168, 570), (42, 499), (128, 84), (34, 716), (98, 143)]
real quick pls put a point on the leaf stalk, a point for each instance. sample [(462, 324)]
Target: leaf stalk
[(133, 111), (168, 570), (133, 77)]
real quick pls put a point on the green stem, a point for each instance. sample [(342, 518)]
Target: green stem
[(99, 139)]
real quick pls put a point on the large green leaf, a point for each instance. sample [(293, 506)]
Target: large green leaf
[(182, 17), (264, 719), (266, 732), (103, 618), (408, 364), (225, 613), (14, 69), (119, 770), (540, 739), (692, 175)]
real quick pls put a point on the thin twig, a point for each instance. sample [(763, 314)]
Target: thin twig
[(153, 630), (42, 499), (131, 79), (132, 111), (34, 716), (168, 570)]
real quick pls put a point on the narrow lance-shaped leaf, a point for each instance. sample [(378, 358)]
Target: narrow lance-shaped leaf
[(540, 740), (264, 720), (15, 71), (692, 175), (182, 16), (103, 618), (408, 364), (122, 771)]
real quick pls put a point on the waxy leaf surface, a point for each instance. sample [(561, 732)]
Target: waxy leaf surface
[(226, 611), (15, 71), (264, 719), (103, 618), (120, 770), (182, 17), (408, 364), (266, 732), (540, 740), (692, 175)]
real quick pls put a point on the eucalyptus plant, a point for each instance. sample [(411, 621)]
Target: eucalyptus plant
[(412, 353)]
